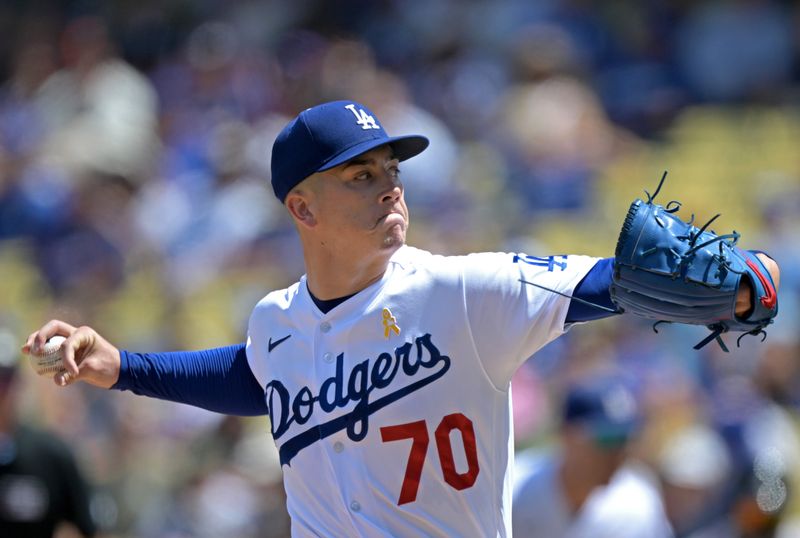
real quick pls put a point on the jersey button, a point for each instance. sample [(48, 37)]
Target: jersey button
[(328, 357), (338, 446), (325, 327), (354, 506)]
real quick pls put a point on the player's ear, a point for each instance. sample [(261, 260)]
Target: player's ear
[(298, 204)]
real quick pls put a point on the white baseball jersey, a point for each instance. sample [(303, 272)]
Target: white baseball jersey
[(392, 412)]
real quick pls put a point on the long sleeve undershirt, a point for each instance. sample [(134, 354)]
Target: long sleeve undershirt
[(220, 379), (595, 288)]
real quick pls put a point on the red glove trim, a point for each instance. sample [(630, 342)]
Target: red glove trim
[(771, 298)]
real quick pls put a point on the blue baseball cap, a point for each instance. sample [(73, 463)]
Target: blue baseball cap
[(607, 407), (327, 135)]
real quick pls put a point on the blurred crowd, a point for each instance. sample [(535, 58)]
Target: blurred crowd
[(134, 197)]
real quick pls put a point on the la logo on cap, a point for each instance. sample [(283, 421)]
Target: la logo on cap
[(362, 118)]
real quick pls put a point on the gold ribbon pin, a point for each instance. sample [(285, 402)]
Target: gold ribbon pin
[(389, 323)]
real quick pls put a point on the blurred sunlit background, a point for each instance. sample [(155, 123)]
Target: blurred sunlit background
[(134, 197)]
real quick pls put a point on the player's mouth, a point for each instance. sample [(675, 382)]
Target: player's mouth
[(391, 218)]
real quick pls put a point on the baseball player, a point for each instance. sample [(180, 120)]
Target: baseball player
[(385, 370)]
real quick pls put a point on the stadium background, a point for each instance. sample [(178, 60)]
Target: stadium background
[(134, 197)]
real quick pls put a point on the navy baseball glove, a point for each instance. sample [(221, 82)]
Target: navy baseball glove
[(669, 270)]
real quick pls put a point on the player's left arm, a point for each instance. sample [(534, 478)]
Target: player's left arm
[(517, 303), (595, 287)]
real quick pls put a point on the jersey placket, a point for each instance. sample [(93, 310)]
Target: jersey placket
[(347, 457), (328, 339)]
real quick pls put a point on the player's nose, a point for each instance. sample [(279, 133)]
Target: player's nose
[(393, 189)]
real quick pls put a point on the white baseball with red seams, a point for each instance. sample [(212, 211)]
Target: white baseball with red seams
[(392, 412), (49, 360)]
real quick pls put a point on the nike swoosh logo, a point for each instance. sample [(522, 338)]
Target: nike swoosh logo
[(272, 345), (771, 298)]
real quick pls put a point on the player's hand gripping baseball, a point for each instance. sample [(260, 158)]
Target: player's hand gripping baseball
[(87, 355)]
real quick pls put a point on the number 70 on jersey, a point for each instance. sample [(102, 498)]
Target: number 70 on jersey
[(418, 433)]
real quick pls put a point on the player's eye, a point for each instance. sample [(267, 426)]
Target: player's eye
[(393, 167)]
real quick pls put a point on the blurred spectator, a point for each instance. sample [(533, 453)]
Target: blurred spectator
[(764, 442), (555, 128), (198, 233), (41, 487), (32, 195), (693, 467), (84, 255), (101, 114), (583, 488)]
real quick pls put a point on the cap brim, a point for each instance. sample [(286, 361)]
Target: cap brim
[(404, 148)]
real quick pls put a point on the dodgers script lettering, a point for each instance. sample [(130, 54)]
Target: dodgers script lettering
[(336, 392)]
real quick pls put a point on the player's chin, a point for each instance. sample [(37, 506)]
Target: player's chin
[(395, 237)]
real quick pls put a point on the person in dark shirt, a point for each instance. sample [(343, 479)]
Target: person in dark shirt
[(41, 486)]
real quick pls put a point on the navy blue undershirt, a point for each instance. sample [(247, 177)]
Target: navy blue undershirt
[(217, 379), (221, 380), (594, 288), (329, 304)]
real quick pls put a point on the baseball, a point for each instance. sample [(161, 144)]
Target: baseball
[(49, 362)]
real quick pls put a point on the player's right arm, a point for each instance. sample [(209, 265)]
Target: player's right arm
[(217, 379)]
